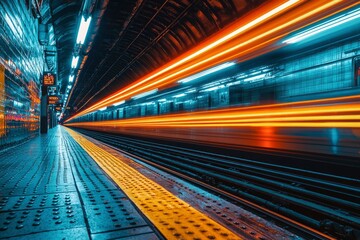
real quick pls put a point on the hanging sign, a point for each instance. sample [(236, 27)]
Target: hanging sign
[(48, 79), (53, 99)]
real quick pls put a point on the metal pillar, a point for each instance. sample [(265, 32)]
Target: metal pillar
[(52, 117), (44, 110)]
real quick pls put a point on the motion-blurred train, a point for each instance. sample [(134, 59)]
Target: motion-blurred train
[(295, 95)]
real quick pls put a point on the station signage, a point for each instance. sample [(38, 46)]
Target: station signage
[(48, 79), (58, 109), (52, 90), (53, 99)]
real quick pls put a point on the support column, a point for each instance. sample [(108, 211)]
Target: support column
[(44, 110), (50, 117)]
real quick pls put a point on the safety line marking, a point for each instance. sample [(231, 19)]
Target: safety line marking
[(173, 217)]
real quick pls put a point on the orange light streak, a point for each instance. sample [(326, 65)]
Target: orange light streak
[(226, 47), (302, 114)]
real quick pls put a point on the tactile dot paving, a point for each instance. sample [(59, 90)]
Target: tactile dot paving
[(103, 197), (112, 216), (40, 220), (39, 201)]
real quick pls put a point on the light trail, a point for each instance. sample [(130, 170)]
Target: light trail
[(334, 112)]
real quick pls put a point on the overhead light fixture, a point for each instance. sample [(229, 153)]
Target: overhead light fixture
[(119, 103), (162, 100), (83, 29), (71, 78), (69, 86), (74, 61), (179, 95), (257, 77), (191, 90), (344, 18), (144, 94), (102, 109), (213, 88), (206, 72)]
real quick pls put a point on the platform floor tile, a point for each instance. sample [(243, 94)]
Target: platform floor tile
[(50, 188)]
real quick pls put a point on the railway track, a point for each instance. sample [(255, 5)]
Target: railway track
[(312, 204)]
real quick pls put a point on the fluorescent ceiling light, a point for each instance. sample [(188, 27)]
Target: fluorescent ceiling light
[(344, 18), (206, 72), (74, 62), (191, 91), (69, 86), (213, 88), (162, 100), (119, 103), (83, 29), (168, 92), (102, 109), (255, 77), (179, 95), (144, 94), (71, 78)]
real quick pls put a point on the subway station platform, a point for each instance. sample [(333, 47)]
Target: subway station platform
[(64, 185)]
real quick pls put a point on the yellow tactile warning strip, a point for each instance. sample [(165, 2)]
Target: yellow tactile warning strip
[(173, 217)]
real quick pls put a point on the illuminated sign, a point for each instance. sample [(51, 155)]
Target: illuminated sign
[(53, 99), (52, 90), (58, 109), (48, 79)]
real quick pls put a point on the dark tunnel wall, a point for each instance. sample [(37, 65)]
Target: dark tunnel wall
[(21, 65)]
